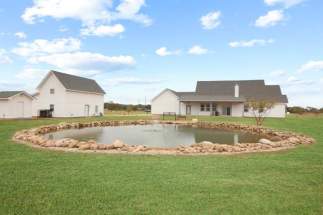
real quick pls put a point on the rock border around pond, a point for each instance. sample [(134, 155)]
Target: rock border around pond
[(277, 140)]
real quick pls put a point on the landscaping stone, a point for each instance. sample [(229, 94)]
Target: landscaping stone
[(195, 121), (276, 139), (264, 141), (118, 144), (85, 147)]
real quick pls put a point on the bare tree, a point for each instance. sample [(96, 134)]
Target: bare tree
[(259, 109)]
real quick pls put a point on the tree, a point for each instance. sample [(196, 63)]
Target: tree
[(259, 109)]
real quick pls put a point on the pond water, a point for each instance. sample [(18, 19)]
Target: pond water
[(156, 135)]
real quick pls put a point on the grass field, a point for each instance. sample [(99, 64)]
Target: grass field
[(34, 181)]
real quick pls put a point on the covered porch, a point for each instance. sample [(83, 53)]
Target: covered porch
[(211, 108)]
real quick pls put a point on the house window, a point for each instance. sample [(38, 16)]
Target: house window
[(246, 108), (214, 107), (96, 109), (52, 91), (202, 107), (51, 107), (207, 107)]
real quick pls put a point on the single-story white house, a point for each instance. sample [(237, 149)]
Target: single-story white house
[(221, 98), (58, 95), (15, 104)]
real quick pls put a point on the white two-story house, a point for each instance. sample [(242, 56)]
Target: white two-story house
[(65, 95)]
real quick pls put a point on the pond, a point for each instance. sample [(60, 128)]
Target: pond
[(156, 135)]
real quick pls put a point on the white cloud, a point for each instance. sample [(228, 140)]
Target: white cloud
[(314, 66), (103, 30), (285, 3), (10, 85), (93, 14), (41, 47), (250, 43), (197, 50), (85, 61), (164, 52), (129, 9), (31, 74), (292, 80), (211, 20), (86, 11), (21, 35), (4, 58), (272, 18)]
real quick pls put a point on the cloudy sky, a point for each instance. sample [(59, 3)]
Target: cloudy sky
[(136, 48)]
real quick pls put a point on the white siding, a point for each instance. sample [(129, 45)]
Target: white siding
[(237, 109), (19, 106), (167, 101), (75, 104), (66, 103), (279, 111), (45, 99)]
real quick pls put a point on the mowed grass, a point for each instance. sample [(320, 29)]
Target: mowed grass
[(34, 181)]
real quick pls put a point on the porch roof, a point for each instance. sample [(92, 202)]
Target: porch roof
[(209, 98)]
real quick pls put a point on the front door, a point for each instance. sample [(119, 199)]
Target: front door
[(214, 111), (188, 109), (20, 110), (228, 111), (87, 110)]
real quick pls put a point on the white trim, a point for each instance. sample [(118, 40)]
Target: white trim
[(162, 92), (78, 91), (45, 79)]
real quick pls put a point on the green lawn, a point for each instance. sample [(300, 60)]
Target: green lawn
[(34, 181)]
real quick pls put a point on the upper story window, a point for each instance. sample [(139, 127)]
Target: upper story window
[(207, 107), (52, 91)]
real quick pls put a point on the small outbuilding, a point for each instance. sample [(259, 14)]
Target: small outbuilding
[(15, 104)]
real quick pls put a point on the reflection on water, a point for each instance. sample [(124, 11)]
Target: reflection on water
[(156, 135)]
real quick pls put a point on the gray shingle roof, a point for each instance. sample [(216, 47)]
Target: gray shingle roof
[(224, 91), (76, 83), (8, 94)]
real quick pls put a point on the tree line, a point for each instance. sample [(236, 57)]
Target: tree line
[(126, 107), (302, 110)]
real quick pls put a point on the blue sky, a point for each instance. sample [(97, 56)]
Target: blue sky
[(136, 48)]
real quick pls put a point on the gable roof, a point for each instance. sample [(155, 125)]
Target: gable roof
[(224, 91), (72, 82), (75, 83), (9, 94), (250, 89), (227, 87)]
